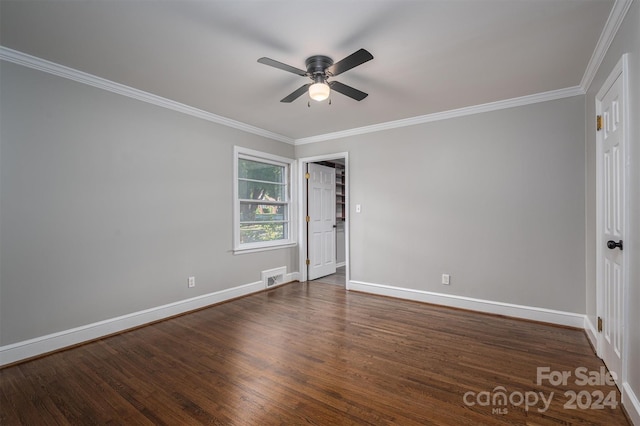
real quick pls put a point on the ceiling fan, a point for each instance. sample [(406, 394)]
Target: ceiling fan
[(319, 69)]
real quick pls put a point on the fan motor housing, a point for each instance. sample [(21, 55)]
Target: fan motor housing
[(318, 64)]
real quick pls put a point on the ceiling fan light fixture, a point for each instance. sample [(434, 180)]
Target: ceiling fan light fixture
[(319, 91), (319, 69)]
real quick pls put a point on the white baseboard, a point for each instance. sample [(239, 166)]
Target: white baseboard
[(498, 308), (41, 345), (341, 264), (591, 332), (631, 403), (293, 276)]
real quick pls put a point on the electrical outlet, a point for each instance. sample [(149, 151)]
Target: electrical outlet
[(192, 282), (445, 279)]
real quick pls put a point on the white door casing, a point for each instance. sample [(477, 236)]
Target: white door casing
[(611, 216), (322, 220)]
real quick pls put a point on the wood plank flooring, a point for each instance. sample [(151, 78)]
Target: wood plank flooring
[(313, 354)]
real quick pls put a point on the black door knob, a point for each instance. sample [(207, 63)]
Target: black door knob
[(612, 244)]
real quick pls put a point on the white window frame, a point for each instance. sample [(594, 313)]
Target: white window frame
[(289, 202)]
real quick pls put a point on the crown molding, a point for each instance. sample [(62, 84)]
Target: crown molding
[(36, 63), (445, 115), (611, 27), (614, 21)]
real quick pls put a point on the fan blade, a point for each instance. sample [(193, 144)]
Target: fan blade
[(281, 66), (348, 90), (296, 93), (351, 61)]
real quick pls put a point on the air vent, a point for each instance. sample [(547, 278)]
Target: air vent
[(274, 277)]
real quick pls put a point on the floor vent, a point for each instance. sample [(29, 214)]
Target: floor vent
[(274, 277)]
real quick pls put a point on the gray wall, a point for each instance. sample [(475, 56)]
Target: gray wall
[(109, 204), (494, 199), (627, 40)]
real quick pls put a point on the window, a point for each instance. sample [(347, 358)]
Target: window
[(262, 193)]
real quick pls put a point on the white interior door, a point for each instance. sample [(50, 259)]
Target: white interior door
[(612, 221), (322, 220)]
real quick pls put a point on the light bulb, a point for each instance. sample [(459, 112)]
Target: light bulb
[(319, 91)]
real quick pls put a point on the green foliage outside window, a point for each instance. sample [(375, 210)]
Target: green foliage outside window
[(263, 220)]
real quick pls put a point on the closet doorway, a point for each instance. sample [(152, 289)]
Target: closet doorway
[(324, 218)]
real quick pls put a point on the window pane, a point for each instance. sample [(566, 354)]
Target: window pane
[(254, 212), (262, 201), (257, 232), (248, 169), (260, 191)]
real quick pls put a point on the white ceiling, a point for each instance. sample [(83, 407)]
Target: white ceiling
[(430, 56)]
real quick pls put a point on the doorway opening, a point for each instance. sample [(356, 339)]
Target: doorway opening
[(324, 218)]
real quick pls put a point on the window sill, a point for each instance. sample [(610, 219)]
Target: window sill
[(259, 249)]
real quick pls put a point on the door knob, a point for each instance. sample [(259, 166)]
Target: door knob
[(612, 244)]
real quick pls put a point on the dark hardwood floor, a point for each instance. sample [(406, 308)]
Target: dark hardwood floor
[(313, 354)]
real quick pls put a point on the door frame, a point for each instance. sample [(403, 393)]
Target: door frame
[(302, 211), (619, 71)]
